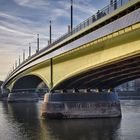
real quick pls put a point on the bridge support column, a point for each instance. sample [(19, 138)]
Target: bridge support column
[(81, 105), (4, 93), (22, 97)]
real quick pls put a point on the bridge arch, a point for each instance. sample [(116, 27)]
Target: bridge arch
[(29, 82)]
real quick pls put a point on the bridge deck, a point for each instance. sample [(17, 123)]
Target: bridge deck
[(86, 32)]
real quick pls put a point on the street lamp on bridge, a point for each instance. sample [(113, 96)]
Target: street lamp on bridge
[(23, 54), (71, 15), (50, 33), (19, 60), (29, 49), (16, 64), (37, 43), (13, 67)]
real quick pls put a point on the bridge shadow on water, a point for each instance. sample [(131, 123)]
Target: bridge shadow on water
[(27, 119)]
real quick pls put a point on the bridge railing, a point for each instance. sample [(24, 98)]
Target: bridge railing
[(100, 13)]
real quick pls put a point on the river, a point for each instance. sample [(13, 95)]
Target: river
[(22, 121)]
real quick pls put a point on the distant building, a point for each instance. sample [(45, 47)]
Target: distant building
[(137, 85), (129, 86)]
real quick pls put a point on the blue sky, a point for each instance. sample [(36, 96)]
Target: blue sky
[(21, 20)]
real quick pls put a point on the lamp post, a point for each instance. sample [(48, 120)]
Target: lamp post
[(19, 60), (50, 32), (29, 49), (71, 15), (24, 55), (13, 67), (51, 60), (37, 43), (48, 42), (16, 64)]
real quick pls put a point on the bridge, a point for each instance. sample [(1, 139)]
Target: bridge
[(99, 54)]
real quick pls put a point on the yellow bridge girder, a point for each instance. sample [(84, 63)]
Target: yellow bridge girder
[(109, 49), (106, 50)]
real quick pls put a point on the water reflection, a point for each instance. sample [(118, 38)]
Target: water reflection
[(91, 129), (27, 115), (22, 121), (24, 112), (26, 118)]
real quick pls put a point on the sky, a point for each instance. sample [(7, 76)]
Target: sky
[(22, 20)]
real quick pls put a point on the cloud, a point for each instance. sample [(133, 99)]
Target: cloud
[(12, 30), (85, 7), (32, 3)]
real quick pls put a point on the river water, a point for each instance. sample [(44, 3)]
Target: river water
[(22, 121)]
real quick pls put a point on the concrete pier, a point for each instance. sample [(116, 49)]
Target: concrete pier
[(3, 94), (81, 105), (22, 97)]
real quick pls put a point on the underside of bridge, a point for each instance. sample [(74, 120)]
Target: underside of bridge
[(105, 77), (29, 82), (123, 67)]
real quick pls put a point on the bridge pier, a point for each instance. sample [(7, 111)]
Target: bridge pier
[(81, 105), (3, 94), (22, 97)]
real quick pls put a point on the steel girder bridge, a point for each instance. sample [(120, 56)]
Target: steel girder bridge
[(100, 53)]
